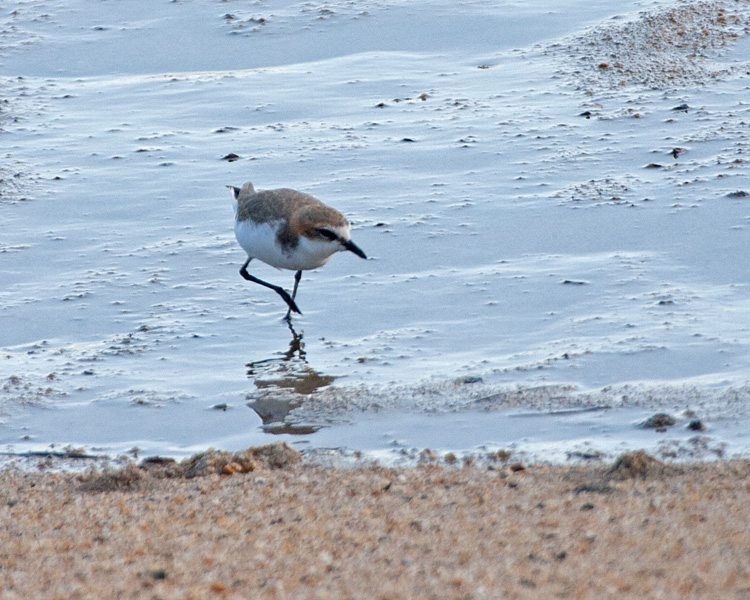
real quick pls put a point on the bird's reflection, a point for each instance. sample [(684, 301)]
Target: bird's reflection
[(284, 381)]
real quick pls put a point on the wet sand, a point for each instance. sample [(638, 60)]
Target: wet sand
[(280, 528)]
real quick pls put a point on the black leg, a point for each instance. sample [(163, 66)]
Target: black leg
[(280, 291), (297, 277)]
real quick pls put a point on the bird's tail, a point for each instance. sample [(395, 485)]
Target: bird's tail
[(235, 192), (246, 189)]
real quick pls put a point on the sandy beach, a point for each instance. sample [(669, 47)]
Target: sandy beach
[(287, 529)]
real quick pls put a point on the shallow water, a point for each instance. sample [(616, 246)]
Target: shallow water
[(497, 180)]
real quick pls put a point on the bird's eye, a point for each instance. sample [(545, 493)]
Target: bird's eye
[(327, 233)]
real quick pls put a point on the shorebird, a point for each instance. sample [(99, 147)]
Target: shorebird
[(288, 230)]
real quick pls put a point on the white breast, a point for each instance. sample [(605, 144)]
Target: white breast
[(259, 241)]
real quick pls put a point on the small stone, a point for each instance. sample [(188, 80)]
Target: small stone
[(500, 456), (658, 421), (232, 468), (637, 464), (428, 455)]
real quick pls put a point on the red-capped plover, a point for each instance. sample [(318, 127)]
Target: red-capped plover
[(288, 230)]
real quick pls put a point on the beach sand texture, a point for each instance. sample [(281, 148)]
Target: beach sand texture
[(640, 529)]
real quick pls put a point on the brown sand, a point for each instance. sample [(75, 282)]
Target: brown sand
[(289, 530)]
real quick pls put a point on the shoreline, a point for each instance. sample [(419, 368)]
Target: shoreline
[(272, 526)]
